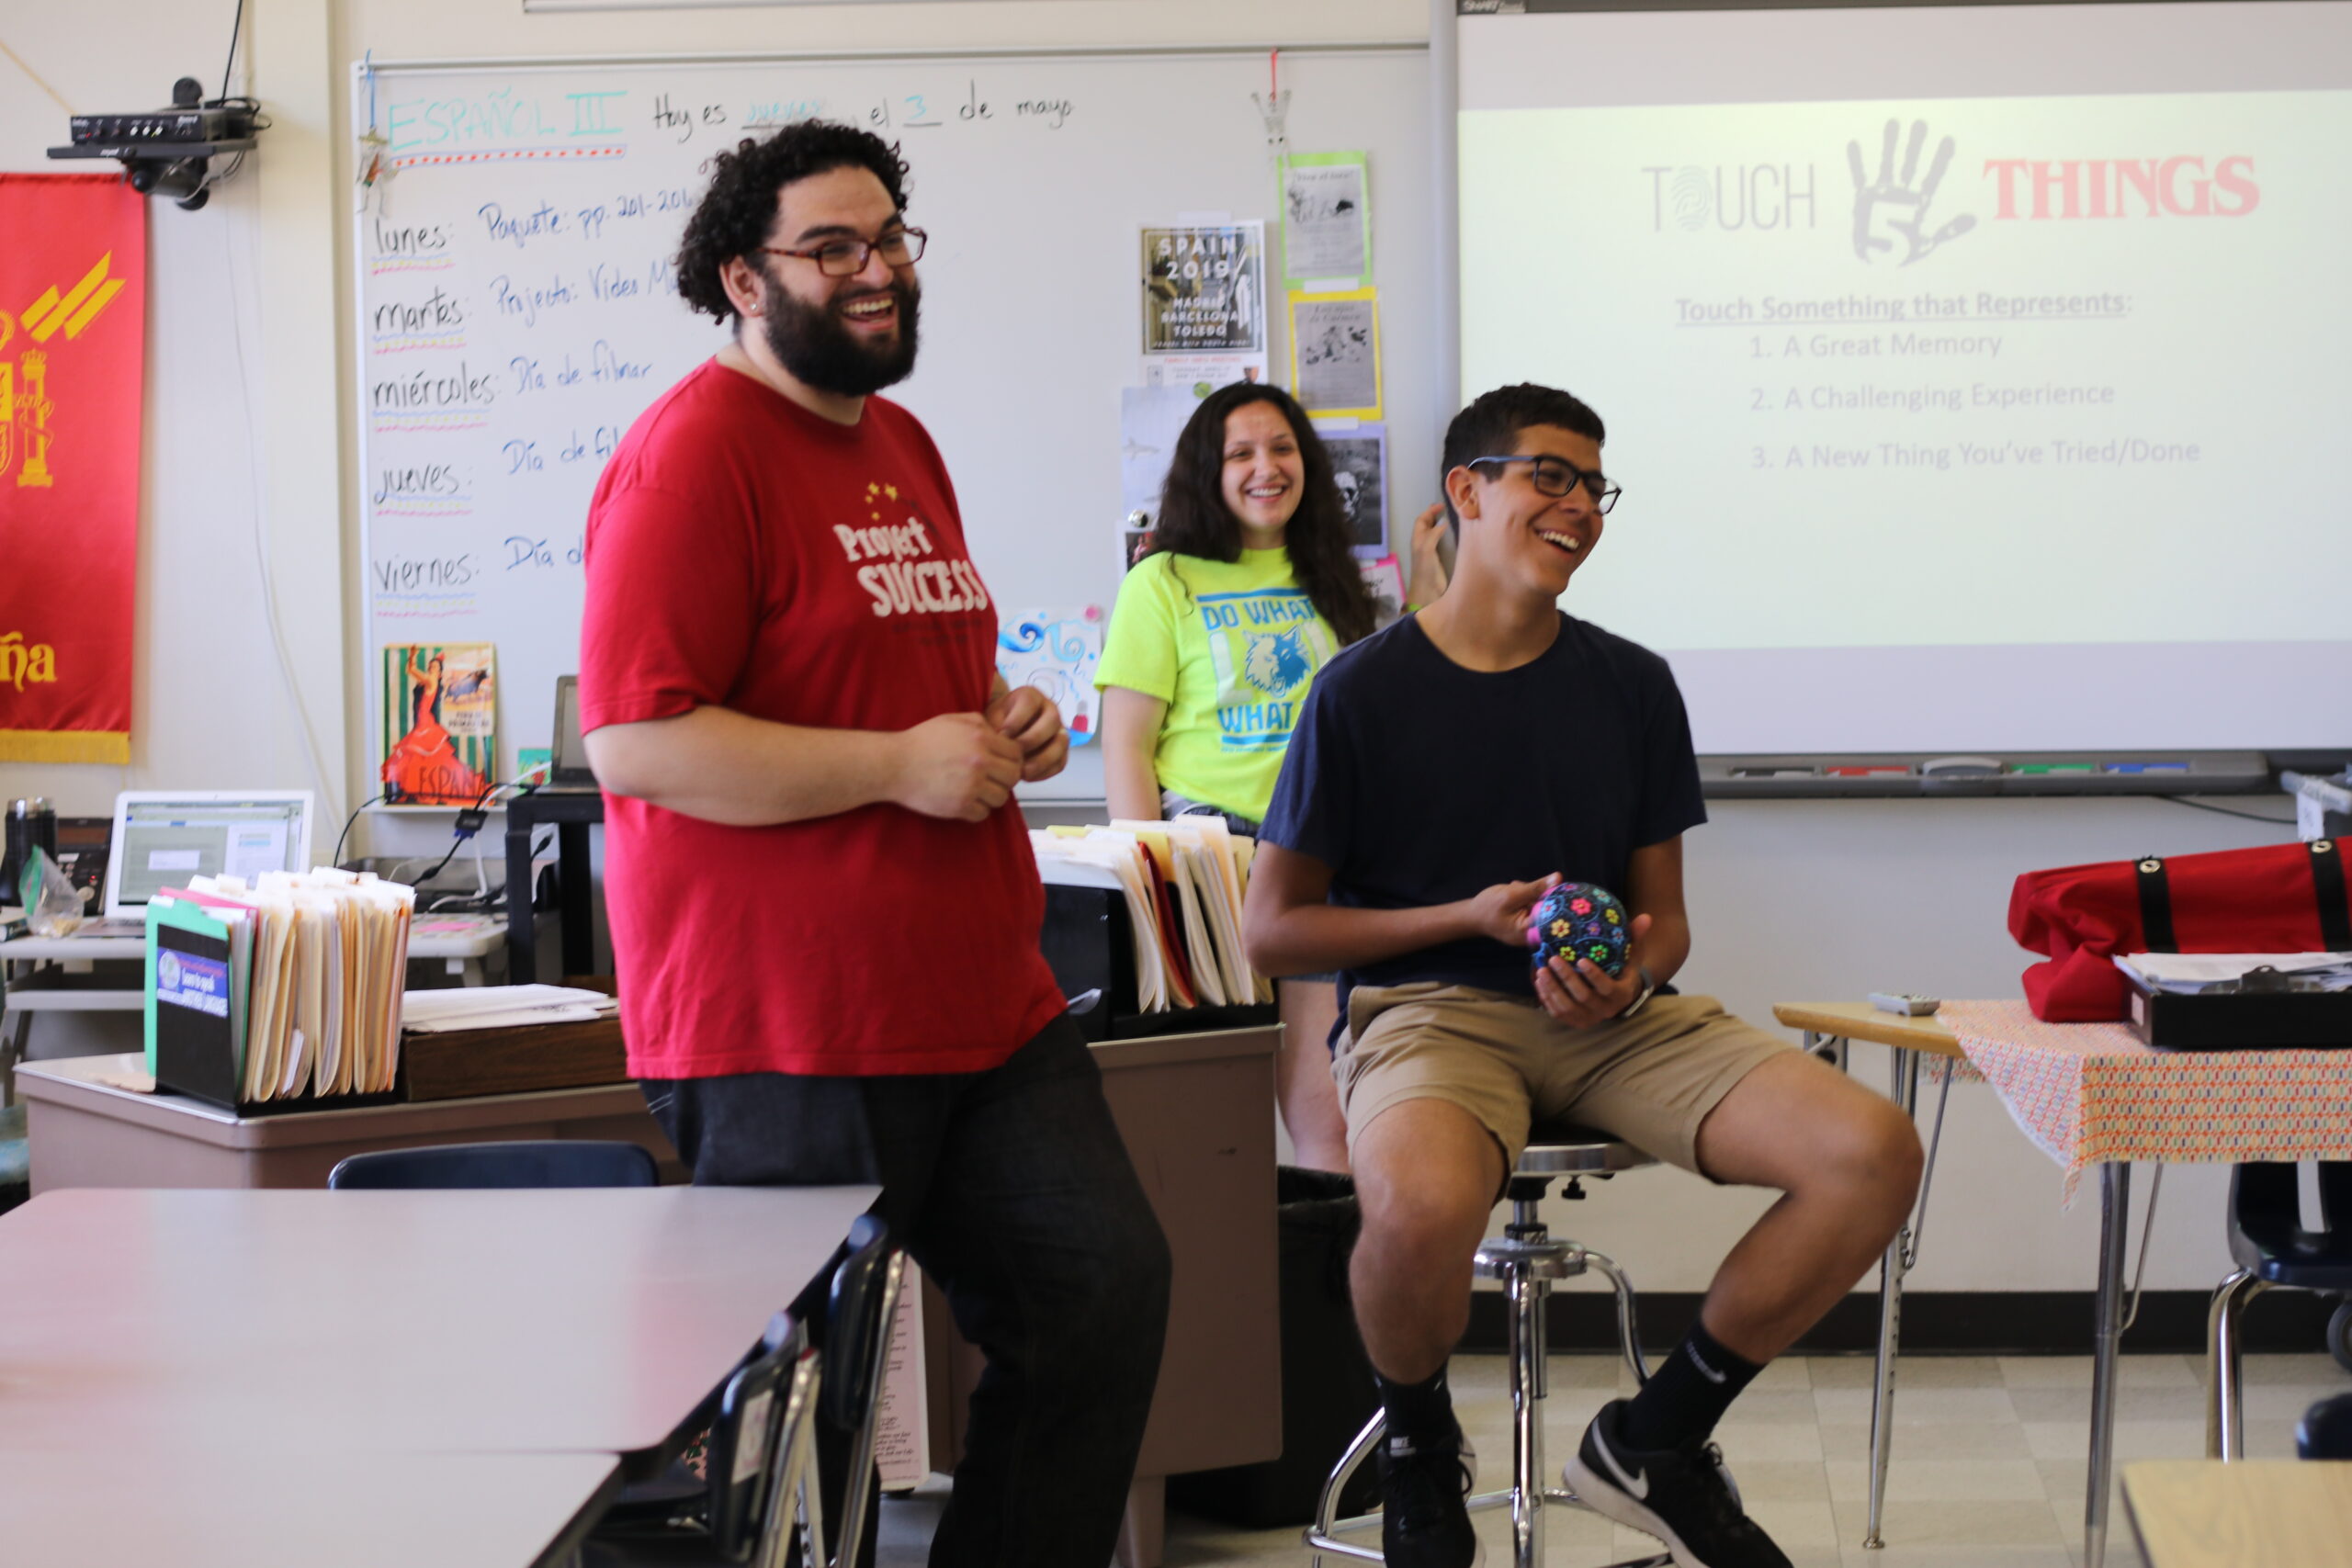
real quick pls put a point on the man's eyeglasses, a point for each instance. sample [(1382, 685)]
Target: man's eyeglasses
[(1557, 475), (847, 258)]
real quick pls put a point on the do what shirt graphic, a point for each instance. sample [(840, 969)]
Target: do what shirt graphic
[(1264, 646)]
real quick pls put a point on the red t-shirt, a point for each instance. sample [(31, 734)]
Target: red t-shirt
[(745, 552)]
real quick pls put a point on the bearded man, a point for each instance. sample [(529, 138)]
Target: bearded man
[(823, 903)]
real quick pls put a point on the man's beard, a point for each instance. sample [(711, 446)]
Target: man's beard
[(811, 342)]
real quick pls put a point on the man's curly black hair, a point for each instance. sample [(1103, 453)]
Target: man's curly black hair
[(738, 208)]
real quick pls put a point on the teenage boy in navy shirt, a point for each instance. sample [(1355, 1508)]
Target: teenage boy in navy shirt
[(1446, 771)]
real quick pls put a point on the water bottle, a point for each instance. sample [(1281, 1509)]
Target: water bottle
[(31, 824)]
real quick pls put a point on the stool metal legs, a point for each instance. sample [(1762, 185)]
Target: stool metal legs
[(2225, 1347), (1526, 1260)]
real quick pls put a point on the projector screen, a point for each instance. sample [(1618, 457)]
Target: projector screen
[(1978, 377)]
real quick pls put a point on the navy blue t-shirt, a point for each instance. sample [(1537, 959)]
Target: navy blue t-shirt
[(1418, 782)]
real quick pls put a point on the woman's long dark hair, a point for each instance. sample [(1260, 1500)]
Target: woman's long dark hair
[(1193, 520)]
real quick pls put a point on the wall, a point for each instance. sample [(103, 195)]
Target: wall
[(1794, 900), (239, 438)]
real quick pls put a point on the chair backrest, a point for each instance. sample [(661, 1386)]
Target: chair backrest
[(2326, 1430), (743, 1464), (854, 1324), (553, 1162), (857, 1344), (2335, 1195)]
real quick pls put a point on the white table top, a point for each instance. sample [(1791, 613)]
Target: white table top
[(292, 1506), (500, 1322)]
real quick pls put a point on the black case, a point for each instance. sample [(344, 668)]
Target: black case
[(1090, 945), (2243, 1020)]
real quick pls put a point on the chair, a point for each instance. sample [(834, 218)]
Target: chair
[(2326, 1430), (2273, 1251), (553, 1162), (1527, 1258), (741, 1513)]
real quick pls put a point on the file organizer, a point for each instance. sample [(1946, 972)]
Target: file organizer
[(1090, 945)]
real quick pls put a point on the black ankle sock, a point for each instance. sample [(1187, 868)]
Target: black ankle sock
[(1687, 1394), (1419, 1414)]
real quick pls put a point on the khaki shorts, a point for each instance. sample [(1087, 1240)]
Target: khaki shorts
[(1650, 1079)]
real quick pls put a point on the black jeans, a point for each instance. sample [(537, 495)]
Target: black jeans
[(1011, 1189)]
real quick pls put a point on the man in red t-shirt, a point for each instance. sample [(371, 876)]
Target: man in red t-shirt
[(823, 903)]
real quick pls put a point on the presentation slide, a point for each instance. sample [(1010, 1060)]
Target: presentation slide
[(1951, 411)]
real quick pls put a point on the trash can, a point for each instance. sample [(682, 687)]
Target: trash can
[(1327, 1392)]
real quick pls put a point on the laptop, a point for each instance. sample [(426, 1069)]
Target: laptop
[(162, 838)]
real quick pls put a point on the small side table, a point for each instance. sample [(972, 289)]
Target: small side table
[(1828, 1028), (572, 812)]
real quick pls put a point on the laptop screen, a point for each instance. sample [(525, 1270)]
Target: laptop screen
[(165, 842)]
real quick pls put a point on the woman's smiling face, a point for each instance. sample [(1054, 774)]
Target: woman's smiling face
[(1264, 474)]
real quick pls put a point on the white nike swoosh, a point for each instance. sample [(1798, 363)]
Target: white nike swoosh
[(1633, 1488)]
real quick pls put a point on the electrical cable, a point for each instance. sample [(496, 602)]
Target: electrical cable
[(348, 822), (235, 27), (2225, 811)]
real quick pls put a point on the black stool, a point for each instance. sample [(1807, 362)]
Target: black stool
[(1526, 1258)]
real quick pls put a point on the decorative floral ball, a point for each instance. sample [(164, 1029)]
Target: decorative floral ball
[(1576, 920)]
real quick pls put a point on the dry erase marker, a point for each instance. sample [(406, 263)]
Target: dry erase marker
[(2145, 768), (2054, 768), (1871, 771)]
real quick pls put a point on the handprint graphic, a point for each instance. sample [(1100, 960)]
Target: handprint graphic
[(1890, 213)]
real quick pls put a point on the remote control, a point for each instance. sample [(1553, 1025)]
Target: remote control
[(1903, 1002)]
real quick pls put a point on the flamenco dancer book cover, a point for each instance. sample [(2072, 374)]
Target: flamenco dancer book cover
[(440, 723)]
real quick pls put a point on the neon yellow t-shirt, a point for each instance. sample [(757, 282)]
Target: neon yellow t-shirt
[(1231, 648)]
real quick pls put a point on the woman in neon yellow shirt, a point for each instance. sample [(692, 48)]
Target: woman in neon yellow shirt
[(1248, 589)]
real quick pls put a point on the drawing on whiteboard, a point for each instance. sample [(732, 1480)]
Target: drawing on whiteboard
[(1054, 652)]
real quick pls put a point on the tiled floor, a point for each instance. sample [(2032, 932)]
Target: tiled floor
[(1988, 1469)]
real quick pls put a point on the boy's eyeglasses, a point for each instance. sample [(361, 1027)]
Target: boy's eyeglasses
[(847, 258), (1557, 475)]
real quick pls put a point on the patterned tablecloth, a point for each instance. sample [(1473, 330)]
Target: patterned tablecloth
[(2089, 1093)]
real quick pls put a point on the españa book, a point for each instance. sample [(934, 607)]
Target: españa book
[(440, 723)]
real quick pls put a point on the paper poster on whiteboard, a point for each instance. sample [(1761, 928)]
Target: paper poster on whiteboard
[(1327, 220), (1056, 651), (1335, 353), (1204, 288)]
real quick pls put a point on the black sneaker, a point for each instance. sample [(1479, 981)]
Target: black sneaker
[(1424, 1522), (1683, 1496)]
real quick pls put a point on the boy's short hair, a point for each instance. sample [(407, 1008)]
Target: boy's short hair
[(1489, 426)]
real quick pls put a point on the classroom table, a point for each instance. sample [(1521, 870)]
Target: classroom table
[(89, 1132), (2094, 1094), (291, 1505), (2195, 1513), (567, 1321)]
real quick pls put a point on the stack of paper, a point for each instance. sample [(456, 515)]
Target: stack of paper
[(1183, 881), (2187, 973), (317, 962), (453, 1009)]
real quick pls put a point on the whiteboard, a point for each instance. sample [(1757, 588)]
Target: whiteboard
[(517, 308)]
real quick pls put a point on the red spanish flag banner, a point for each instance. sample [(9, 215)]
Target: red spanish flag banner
[(73, 331)]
